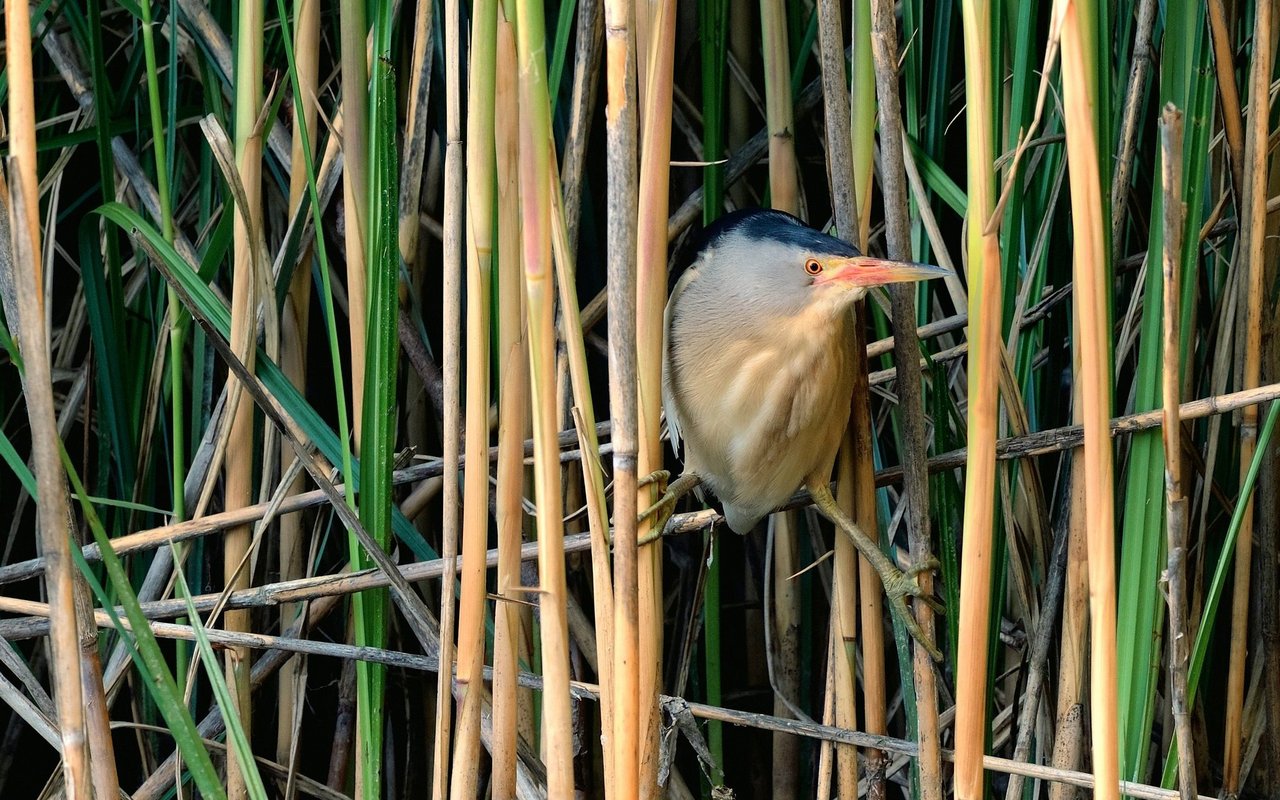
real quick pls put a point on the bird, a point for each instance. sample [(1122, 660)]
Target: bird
[(757, 373)]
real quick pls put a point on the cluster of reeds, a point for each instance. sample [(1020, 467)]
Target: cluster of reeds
[(336, 494)]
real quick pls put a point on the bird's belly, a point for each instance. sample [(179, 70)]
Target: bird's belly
[(768, 421)]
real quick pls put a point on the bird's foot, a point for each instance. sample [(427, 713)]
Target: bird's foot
[(665, 506), (659, 476), (898, 586)]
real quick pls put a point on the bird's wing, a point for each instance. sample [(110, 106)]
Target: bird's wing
[(668, 395)]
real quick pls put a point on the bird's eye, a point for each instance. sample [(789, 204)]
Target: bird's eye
[(813, 266)]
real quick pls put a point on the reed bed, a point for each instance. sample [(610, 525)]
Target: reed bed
[(335, 494)]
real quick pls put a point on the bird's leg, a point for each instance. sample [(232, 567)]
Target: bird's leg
[(897, 584), (661, 510)]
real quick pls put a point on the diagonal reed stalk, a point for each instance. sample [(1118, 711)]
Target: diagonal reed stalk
[(244, 302), (983, 263), (1092, 276), (656, 47)]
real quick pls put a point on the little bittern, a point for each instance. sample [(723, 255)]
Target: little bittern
[(758, 372)]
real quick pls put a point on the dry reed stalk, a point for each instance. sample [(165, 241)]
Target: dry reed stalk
[(1176, 510), (238, 491), (983, 250), (513, 396), (1224, 68), (1133, 105), (656, 89), (857, 449), (53, 510), (1253, 230), (623, 736), (293, 351), (451, 301), (1091, 277), (884, 46), (354, 62), (480, 155), (536, 200), (784, 194)]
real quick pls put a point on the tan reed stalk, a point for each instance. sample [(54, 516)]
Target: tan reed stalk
[(1253, 230), (1176, 510), (622, 738), (353, 44), (293, 353), (1225, 69), (240, 451), (656, 91), (875, 689), (480, 156), (53, 511), (858, 444), (513, 396), (884, 46), (784, 194), (536, 200), (1091, 274), (983, 264), (451, 302)]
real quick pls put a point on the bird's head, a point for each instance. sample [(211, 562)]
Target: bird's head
[(774, 264)]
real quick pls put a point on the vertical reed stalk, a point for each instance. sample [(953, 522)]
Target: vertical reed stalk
[(784, 194), (857, 448), (513, 396), (1092, 277), (294, 323), (623, 737), (906, 346), (536, 199), (353, 43), (53, 510), (240, 451), (451, 301), (475, 506), (985, 292), (1253, 230), (656, 92), (1176, 505)]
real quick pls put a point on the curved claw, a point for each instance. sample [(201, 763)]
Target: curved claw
[(903, 585)]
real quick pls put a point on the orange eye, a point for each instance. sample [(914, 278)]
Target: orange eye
[(812, 266)]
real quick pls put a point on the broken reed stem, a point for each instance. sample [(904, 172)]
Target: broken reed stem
[(884, 47), (1176, 511), (451, 300), (1092, 276), (480, 157), (623, 736), (1253, 236), (656, 69), (983, 263), (239, 464), (53, 511)]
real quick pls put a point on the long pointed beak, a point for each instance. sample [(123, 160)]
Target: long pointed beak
[(867, 271)]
